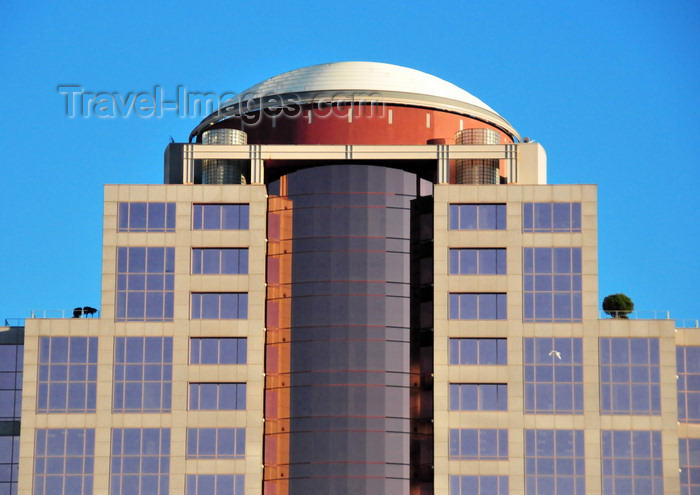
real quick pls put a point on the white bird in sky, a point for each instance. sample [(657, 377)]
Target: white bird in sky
[(556, 353)]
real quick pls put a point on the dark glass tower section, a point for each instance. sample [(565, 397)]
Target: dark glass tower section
[(338, 363)]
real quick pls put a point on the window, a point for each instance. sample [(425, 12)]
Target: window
[(9, 463), (478, 351), (477, 261), (478, 397), (146, 217), (689, 450), (482, 306), (551, 217), (143, 374), (554, 462), (552, 285), (215, 484), (64, 461), (67, 374), (629, 376), (553, 375), (219, 261), (688, 370), (220, 217), (215, 443), (140, 461), (11, 365), (145, 283), (632, 462), (478, 485), (479, 444), (217, 396), (218, 350), (219, 306), (478, 217)]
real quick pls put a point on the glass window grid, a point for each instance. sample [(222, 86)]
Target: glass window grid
[(217, 396), (477, 217), (9, 463), (140, 461), (219, 261), (220, 217), (689, 455), (632, 462), (478, 397), (215, 443), (552, 285), (64, 461), (219, 306), (554, 462), (67, 381), (479, 444), (218, 350), (552, 217), (629, 376), (146, 217), (553, 375), (215, 484), (143, 374), (478, 306), (478, 485), (688, 371), (145, 283), (478, 261), (11, 366), (477, 351)]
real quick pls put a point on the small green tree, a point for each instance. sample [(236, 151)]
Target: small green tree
[(618, 305)]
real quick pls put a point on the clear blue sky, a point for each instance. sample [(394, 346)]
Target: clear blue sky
[(611, 90)]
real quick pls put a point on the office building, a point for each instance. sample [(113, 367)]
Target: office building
[(355, 279)]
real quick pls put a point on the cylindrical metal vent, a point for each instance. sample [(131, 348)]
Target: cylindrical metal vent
[(481, 171), (224, 171)]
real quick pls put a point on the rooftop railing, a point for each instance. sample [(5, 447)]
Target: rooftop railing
[(652, 315)]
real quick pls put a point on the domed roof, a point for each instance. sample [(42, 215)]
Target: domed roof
[(361, 76), (339, 80)]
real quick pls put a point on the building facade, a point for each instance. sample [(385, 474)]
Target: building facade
[(354, 279)]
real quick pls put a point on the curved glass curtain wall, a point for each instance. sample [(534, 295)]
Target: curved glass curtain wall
[(338, 340)]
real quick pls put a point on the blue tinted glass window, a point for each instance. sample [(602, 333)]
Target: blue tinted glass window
[(215, 484), (215, 443), (688, 371), (477, 216), (146, 217), (629, 376), (552, 290), (9, 462), (485, 444), (63, 461), (551, 217), (217, 396), (219, 306), (478, 485), (67, 379), (632, 462), (481, 261), (11, 366), (480, 306), (220, 217), (140, 461), (145, 283), (689, 450), (143, 374), (478, 396), (478, 351), (219, 261), (554, 462), (218, 350), (553, 372)]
